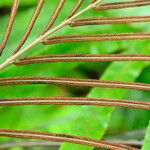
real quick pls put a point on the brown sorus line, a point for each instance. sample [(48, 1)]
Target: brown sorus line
[(121, 5), (96, 37), (110, 20), (9, 25), (30, 25), (75, 101), (82, 58), (54, 16), (74, 82), (62, 138)]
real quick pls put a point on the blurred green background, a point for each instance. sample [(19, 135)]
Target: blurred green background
[(95, 122)]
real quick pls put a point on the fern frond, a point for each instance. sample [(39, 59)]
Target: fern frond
[(11, 59), (46, 38)]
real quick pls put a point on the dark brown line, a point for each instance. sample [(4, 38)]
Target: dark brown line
[(62, 138), (30, 25), (97, 37), (110, 20), (9, 25), (121, 5), (76, 8), (74, 82), (54, 16)]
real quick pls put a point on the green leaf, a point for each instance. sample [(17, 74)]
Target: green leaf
[(146, 145)]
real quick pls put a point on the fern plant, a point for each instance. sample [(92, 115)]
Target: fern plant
[(101, 94)]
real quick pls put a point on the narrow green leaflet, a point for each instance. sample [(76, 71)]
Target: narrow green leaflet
[(146, 145)]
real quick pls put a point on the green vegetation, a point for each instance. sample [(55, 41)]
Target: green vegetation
[(93, 122)]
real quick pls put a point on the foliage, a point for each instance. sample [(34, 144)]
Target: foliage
[(84, 120), (147, 140)]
